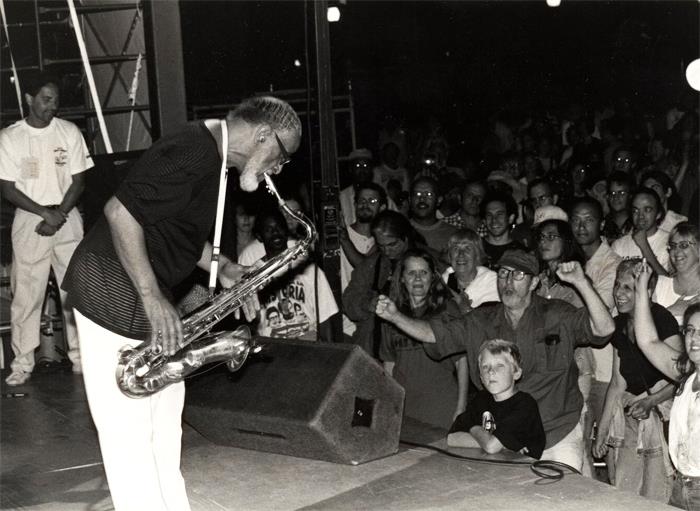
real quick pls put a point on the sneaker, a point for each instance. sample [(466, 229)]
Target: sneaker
[(17, 378)]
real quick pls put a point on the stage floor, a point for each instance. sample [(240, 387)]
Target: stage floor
[(51, 461)]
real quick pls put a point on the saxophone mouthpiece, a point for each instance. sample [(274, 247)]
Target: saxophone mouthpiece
[(273, 189)]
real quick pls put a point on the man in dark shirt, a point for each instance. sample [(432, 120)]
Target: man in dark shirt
[(499, 212), (545, 331), (153, 233)]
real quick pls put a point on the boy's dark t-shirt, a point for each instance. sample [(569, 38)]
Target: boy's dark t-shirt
[(517, 419)]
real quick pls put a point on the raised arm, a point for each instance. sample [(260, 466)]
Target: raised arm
[(602, 324), (661, 354), (417, 329)]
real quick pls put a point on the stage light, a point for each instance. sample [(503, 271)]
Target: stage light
[(333, 14), (692, 74), (553, 3), (297, 63)]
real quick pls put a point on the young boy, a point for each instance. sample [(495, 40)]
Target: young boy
[(499, 416)]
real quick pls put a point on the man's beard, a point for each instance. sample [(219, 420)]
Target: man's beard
[(364, 216), (249, 178)]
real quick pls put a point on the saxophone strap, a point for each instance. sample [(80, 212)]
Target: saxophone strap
[(221, 202)]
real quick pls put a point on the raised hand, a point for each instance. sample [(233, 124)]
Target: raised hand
[(642, 274), (386, 308), (571, 272)]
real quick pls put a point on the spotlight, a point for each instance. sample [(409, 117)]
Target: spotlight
[(692, 74), (297, 63), (333, 14), (553, 3)]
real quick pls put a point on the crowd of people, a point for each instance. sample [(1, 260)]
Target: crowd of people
[(540, 297)]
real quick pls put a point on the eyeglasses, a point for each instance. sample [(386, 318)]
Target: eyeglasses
[(548, 236), (427, 195), (682, 245), (367, 201), (284, 155), (689, 331), (504, 273), (618, 193)]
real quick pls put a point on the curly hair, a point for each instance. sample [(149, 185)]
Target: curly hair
[(438, 294)]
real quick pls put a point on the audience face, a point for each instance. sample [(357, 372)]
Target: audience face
[(658, 188), (463, 256), (423, 200), (390, 246), (550, 244), (367, 205), (692, 339), (244, 221), (472, 197), (623, 161), (618, 197), (417, 278), (514, 293), (361, 171), (274, 235), (623, 292), (496, 217), (683, 252), (541, 195), (292, 223), (498, 372), (585, 224), (645, 213)]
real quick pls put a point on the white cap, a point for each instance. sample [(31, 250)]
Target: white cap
[(549, 213)]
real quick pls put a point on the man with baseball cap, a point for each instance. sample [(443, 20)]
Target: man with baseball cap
[(546, 331)]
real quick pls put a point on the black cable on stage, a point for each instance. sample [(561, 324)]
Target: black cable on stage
[(546, 469)]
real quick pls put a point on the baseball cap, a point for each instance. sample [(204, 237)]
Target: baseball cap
[(520, 260), (360, 154), (549, 213)]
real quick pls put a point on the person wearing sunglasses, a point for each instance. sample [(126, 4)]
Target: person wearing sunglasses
[(152, 235), (546, 332), (682, 289)]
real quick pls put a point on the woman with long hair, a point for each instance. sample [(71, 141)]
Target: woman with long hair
[(432, 391), (554, 244), (638, 398), (684, 367)]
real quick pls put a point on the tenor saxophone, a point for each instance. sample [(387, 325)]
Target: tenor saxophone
[(144, 370)]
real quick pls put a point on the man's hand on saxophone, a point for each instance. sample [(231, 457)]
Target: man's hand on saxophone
[(166, 327)]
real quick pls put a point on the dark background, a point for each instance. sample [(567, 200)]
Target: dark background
[(459, 61)]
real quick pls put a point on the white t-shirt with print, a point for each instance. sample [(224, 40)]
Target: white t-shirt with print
[(42, 161)]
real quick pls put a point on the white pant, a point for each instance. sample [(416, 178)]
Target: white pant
[(568, 450), (140, 439), (33, 256)]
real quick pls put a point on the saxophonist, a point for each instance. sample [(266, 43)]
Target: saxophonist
[(151, 236)]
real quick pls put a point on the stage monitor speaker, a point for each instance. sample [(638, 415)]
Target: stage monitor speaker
[(330, 402)]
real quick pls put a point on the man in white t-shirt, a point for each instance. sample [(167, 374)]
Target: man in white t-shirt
[(43, 160), (288, 305), (356, 240), (646, 239), (390, 169)]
